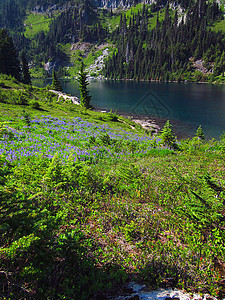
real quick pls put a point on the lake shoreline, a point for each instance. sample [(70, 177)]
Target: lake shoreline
[(151, 80), (137, 80), (186, 105), (152, 124)]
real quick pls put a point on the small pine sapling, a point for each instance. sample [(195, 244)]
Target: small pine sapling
[(168, 137), (200, 133)]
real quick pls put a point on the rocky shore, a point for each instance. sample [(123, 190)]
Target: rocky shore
[(146, 123), (135, 291), (73, 99)]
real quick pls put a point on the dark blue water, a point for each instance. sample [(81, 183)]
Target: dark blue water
[(186, 105)]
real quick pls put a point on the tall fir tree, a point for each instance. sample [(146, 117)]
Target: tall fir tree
[(25, 70), (9, 61), (55, 82), (85, 98)]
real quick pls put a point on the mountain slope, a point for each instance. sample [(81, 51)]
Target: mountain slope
[(90, 201), (48, 29), (166, 51)]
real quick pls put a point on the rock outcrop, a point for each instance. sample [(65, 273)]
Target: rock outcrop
[(95, 69), (66, 97), (120, 3)]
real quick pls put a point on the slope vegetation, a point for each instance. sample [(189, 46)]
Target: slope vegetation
[(90, 201)]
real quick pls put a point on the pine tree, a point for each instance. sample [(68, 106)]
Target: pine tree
[(200, 133), (55, 82), (85, 98), (168, 137), (9, 61), (25, 70)]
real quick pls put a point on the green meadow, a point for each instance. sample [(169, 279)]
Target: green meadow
[(91, 200), (36, 23)]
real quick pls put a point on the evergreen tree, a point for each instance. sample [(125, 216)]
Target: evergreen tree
[(200, 133), (85, 98), (25, 70), (168, 137), (55, 82), (9, 61), (163, 52)]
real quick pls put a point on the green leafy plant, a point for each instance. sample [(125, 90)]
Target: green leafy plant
[(168, 137), (35, 105), (112, 116), (200, 133), (26, 117), (5, 132), (110, 206)]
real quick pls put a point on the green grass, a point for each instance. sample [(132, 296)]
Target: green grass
[(219, 26), (88, 202), (36, 72), (11, 90), (36, 23), (113, 22)]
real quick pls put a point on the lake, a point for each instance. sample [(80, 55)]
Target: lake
[(186, 105)]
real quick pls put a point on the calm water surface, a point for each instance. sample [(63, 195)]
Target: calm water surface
[(187, 105)]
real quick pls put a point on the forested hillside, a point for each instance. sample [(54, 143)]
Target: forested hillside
[(13, 11), (162, 40), (165, 52)]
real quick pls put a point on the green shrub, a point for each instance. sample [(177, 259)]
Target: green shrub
[(113, 117), (168, 137), (3, 97), (26, 118), (20, 99), (200, 133), (35, 105)]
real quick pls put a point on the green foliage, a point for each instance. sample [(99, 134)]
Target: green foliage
[(5, 132), (9, 61), (218, 26), (200, 133), (173, 43), (85, 98), (112, 116), (35, 105), (55, 82), (46, 36), (168, 137), (20, 98), (74, 228), (26, 118)]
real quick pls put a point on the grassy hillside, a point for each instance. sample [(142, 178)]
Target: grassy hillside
[(90, 200), (35, 23), (113, 22)]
